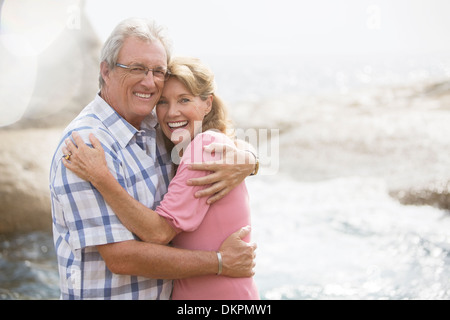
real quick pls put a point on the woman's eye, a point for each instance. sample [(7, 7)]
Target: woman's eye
[(185, 100), (160, 102)]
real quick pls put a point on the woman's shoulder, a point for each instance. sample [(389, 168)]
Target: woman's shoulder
[(210, 136), (195, 151)]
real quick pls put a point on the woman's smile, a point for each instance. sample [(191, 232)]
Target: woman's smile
[(177, 125), (181, 113)]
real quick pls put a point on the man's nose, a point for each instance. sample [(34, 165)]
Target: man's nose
[(149, 80)]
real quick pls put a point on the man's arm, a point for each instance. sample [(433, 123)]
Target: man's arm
[(162, 262), (237, 163)]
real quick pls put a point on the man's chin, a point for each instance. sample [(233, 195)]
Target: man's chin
[(144, 109)]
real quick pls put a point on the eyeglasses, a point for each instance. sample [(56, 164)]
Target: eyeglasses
[(159, 74)]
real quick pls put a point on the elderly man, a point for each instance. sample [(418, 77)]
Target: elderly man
[(98, 257)]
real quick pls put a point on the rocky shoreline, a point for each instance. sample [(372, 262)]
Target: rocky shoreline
[(436, 194), (406, 146)]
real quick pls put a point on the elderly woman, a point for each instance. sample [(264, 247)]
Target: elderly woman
[(192, 117)]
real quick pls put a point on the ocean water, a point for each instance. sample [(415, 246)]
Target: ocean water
[(28, 268), (342, 238), (346, 238), (350, 137)]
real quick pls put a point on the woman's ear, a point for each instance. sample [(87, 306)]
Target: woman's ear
[(209, 102)]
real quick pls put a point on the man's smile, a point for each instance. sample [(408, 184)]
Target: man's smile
[(142, 95)]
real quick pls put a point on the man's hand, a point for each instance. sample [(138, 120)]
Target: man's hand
[(238, 256), (234, 166)]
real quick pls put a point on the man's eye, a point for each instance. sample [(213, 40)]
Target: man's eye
[(158, 73), (137, 70)]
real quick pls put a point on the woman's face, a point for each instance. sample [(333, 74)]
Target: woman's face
[(180, 114)]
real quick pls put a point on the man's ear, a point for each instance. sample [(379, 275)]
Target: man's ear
[(104, 71)]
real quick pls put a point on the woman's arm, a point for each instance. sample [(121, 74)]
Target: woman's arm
[(90, 164)]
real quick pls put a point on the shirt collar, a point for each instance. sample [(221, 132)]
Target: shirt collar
[(117, 125)]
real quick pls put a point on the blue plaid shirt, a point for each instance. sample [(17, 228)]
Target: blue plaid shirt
[(81, 218)]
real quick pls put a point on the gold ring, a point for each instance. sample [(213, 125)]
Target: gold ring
[(67, 156)]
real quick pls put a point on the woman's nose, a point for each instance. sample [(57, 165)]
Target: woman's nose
[(173, 111)]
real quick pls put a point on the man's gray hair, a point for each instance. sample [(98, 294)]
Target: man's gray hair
[(144, 29)]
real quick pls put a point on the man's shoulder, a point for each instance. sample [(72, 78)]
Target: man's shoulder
[(88, 116), (91, 119)]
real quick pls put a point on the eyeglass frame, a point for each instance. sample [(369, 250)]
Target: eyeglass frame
[(146, 70)]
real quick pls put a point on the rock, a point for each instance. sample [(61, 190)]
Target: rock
[(61, 79), (435, 194), (25, 157), (53, 86)]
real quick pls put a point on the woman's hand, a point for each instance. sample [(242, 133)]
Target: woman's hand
[(86, 162), (234, 166)]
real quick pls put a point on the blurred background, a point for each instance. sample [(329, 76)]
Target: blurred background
[(350, 101)]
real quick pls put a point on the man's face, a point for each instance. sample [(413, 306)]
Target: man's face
[(134, 96)]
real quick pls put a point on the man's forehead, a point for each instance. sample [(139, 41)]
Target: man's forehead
[(135, 50)]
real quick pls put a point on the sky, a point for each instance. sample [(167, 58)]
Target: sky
[(289, 27), (250, 27)]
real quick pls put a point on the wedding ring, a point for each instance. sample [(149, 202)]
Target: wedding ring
[(67, 156)]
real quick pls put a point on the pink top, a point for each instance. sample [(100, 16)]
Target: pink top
[(204, 227)]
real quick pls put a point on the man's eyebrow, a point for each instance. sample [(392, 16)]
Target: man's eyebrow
[(135, 63)]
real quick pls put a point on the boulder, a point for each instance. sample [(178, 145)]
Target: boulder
[(25, 157), (62, 79)]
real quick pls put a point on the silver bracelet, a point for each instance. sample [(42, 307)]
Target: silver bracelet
[(219, 257)]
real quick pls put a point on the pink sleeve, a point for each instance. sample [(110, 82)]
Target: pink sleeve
[(179, 207)]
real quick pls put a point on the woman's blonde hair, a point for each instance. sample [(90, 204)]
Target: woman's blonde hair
[(199, 80)]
